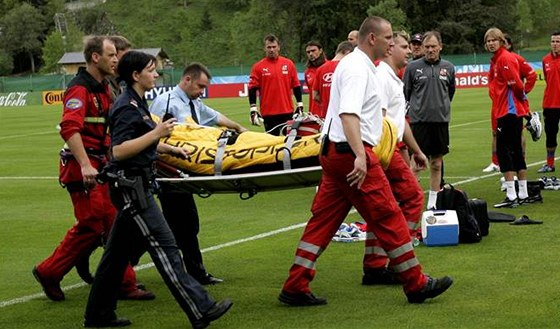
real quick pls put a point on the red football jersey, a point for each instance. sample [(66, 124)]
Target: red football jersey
[(310, 77), (322, 85), (527, 73), (505, 87), (551, 71), (275, 79)]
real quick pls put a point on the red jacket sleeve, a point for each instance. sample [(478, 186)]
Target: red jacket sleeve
[(295, 80), (509, 69), (74, 112), (528, 74)]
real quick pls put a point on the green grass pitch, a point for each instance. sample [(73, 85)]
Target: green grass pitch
[(509, 280)]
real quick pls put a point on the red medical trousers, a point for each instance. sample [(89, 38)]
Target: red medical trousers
[(409, 195), (377, 206), (95, 214)]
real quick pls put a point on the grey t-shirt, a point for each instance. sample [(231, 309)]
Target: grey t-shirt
[(429, 89)]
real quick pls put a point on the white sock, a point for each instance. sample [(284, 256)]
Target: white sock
[(432, 198), (510, 190), (523, 189)]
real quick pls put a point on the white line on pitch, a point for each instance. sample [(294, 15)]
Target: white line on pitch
[(28, 177), (27, 298), (34, 134)]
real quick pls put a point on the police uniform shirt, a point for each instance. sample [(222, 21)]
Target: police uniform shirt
[(393, 97), (179, 108), (355, 90), (129, 118)]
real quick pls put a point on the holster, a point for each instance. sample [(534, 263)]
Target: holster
[(325, 141), (134, 187)]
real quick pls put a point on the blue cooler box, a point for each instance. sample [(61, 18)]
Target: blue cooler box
[(440, 228)]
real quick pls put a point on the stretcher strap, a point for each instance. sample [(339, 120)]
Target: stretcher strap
[(289, 143), (222, 142)]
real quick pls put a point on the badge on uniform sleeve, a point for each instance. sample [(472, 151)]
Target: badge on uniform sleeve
[(73, 104)]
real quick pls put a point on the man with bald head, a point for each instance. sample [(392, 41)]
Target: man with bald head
[(353, 37), (353, 176)]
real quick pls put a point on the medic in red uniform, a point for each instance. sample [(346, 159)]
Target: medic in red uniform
[(84, 129)]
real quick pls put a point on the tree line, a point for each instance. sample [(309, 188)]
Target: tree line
[(34, 34)]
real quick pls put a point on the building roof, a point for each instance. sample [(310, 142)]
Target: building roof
[(78, 57)]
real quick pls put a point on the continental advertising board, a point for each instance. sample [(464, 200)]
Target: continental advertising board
[(53, 97)]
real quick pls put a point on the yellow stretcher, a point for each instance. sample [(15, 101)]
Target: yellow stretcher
[(222, 161)]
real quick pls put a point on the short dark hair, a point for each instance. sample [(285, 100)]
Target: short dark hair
[(314, 43), (93, 44), (194, 70), (344, 47), (555, 33), (509, 41), (371, 24), (271, 38), (121, 43), (133, 61)]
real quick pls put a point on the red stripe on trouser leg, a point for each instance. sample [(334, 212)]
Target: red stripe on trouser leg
[(408, 193)]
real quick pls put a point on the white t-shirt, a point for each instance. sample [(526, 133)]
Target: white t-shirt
[(355, 90), (393, 96)]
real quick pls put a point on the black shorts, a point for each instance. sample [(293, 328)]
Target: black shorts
[(432, 137), (508, 143)]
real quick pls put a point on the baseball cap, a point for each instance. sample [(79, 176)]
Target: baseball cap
[(418, 37)]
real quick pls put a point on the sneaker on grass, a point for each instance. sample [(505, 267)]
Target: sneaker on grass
[(507, 203), (546, 168), (491, 168)]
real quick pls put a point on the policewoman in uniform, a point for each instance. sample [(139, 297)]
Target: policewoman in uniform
[(140, 224)]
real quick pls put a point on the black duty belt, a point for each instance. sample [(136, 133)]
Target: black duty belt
[(342, 147)]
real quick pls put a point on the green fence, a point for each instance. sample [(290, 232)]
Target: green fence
[(484, 58), (37, 82)]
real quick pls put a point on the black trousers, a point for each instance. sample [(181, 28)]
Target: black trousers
[(181, 215), (132, 233), (551, 120)]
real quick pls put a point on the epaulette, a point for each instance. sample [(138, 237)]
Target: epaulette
[(133, 103)]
